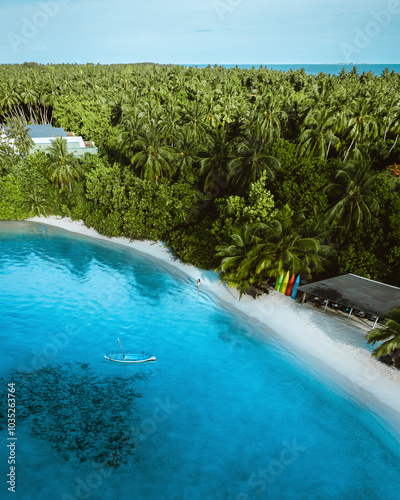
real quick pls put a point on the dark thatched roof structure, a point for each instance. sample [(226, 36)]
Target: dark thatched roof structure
[(356, 292)]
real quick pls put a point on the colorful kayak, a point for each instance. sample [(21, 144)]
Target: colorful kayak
[(290, 285), (279, 282), (294, 289), (285, 283)]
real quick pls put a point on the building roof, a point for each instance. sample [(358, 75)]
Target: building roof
[(356, 292), (43, 135), (37, 131)]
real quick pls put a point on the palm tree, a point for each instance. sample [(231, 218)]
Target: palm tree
[(283, 247), (63, 168), (7, 158), (270, 116), (236, 266), (389, 335), (170, 122), (389, 113), (46, 103), (129, 130), (353, 198), (362, 127), (149, 109), (318, 135), (29, 98), (194, 117), (186, 148), (17, 130), (395, 126), (8, 101), (215, 158), (35, 204), (317, 95), (340, 109), (153, 159), (251, 161), (260, 251)]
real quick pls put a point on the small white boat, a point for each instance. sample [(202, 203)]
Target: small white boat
[(130, 357)]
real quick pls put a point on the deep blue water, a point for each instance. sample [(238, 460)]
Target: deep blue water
[(222, 414), (315, 69)]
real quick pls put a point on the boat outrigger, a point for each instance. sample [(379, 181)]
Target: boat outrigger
[(130, 357)]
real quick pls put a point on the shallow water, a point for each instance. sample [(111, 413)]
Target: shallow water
[(222, 414)]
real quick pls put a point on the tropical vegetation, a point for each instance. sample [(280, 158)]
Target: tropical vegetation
[(387, 338), (250, 172)]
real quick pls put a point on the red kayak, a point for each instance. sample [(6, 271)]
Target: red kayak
[(290, 286)]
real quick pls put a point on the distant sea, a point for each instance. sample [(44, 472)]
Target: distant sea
[(314, 69)]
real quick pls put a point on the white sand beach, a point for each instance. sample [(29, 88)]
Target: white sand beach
[(328, 343)]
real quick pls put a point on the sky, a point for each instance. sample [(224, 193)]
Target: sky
[(200, 31)]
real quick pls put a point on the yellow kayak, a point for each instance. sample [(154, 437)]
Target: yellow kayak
[(285, 283)]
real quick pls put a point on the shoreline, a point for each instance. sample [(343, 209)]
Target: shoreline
[(302, 328)]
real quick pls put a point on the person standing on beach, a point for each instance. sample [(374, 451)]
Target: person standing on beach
[(198, 283)]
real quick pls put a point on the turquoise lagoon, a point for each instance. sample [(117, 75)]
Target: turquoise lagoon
[(226, 412)]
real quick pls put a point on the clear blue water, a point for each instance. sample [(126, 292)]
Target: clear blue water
[(222, 414), (315, 69)]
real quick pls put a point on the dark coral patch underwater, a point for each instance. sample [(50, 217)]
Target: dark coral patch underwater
[(84, 417)]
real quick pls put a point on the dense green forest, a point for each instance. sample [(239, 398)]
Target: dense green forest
[(246, 171)]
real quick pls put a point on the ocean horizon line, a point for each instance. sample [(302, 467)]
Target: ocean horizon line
[(312, 68)]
